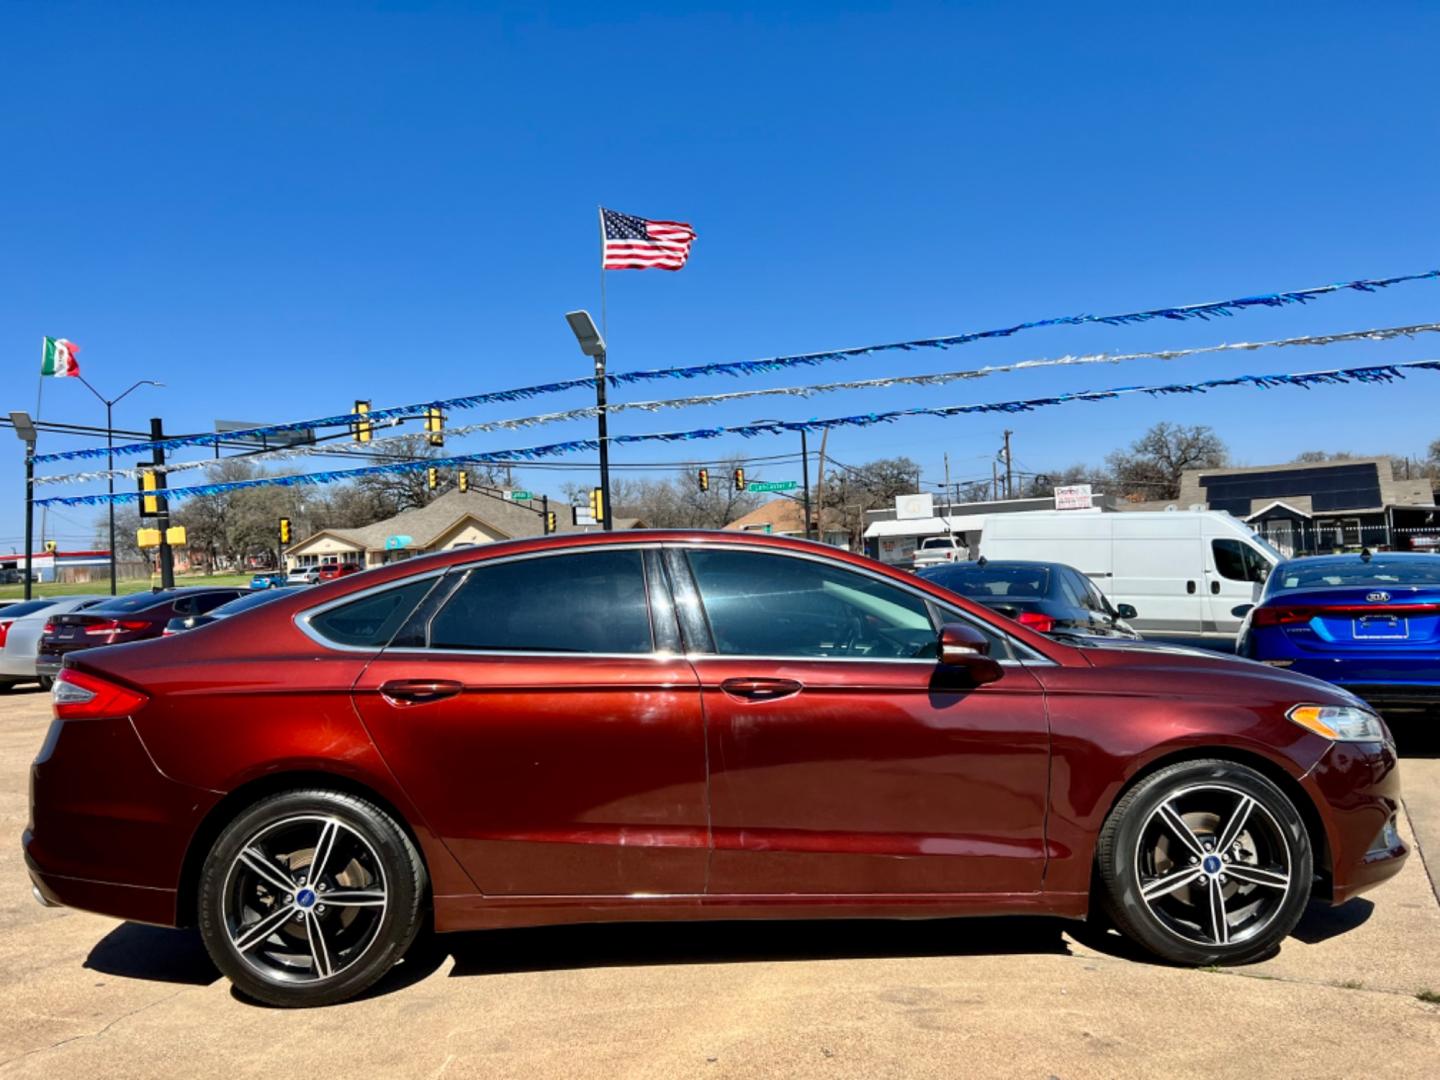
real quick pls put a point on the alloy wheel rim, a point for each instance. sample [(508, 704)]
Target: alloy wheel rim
[(1212, 865), (304, 899)]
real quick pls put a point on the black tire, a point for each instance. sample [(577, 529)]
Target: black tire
[(1167, 852), (47, 683), (280, 963)]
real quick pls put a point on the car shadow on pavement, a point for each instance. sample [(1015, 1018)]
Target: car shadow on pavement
[(1415, 735), (153, 953), (553, 948)]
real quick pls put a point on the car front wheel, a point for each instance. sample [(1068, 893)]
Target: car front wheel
[(309, 897), (1206, 862)]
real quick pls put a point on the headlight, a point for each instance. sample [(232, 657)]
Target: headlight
[(1343, 723)]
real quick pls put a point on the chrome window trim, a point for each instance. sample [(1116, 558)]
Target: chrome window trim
[(1025, 655), (302, 619)]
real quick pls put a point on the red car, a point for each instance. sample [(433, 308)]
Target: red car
[(674, 725), (331, 570)]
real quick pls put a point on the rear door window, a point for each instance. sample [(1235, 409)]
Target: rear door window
[(575, 602)]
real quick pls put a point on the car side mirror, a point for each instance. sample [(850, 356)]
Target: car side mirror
[(962, 646), (1126, 611)]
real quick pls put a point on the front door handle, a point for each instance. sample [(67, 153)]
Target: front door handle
[(419, 691), (748, 689), (1190, 587)]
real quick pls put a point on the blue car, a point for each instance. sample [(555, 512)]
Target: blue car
[(1369, 623), (268, 579)]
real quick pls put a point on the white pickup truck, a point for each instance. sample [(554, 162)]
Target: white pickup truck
[(936, 550)]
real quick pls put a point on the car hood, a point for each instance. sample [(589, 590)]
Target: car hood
[(1235, 674)]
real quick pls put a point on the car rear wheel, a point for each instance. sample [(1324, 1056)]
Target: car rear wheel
[(1206, 862), (47, 683), (309, 897)]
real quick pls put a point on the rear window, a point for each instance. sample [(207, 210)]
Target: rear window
[(25, 607), (991, 582), (135, 602), (371, 620), (1288, 577)]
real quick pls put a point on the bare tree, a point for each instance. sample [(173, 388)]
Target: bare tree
[(1154, 463)]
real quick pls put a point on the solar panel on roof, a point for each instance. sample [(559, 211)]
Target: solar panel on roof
[(1329, 487)]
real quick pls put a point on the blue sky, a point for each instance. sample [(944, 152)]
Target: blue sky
[(278, 208)]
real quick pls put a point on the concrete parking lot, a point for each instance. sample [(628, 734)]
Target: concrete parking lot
[(88, 996)]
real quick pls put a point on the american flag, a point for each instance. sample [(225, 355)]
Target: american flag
[(632, 243)]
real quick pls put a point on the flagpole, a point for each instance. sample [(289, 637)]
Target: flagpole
[(604, 328)]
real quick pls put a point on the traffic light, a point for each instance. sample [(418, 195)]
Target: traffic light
[(149, 504), (362, 427), (551, 523), (597, 504), (51, 546), (432, 478), (435, 425), (463, 481), (703, 477), (284, 530), (739, 477)]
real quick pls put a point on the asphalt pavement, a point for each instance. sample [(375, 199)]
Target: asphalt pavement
[(85, 995)]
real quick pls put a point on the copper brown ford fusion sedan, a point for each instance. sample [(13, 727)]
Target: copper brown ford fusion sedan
[(672, 725)]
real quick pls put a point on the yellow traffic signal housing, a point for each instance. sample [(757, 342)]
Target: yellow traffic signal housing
[(51, 546), (597, 504), (551, 522), (362, 427), (704, 479), (149, 504), (147, 538), (432, 478), (284, 530), (463, 481), (175, 536), (435, 425), (739, 479)]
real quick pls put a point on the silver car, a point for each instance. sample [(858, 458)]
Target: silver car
[(20, 628)]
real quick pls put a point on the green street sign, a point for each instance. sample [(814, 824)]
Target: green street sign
[(773, 485), (519, 496)]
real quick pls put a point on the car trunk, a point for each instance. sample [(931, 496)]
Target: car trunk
[(1359, 621)]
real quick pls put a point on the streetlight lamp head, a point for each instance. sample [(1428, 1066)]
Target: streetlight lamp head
[(24, 426), (583, 327)]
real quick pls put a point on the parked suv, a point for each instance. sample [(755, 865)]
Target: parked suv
[(122, 619)]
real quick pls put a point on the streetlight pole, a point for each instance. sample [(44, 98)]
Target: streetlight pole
[(110, 404), (25, 429), (592, 344)]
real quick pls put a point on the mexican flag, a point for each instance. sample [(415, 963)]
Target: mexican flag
[(59, 358)]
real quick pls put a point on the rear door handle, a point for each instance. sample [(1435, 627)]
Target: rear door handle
[(748, 689), (419, 691), (1215, 587)]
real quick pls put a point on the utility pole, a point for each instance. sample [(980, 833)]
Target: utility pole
[(994, 481), (1009, 468), (820, 488), (947, 480), (805, 479), (167, 556)]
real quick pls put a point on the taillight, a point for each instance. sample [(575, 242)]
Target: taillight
[(49, 627), (1290, 616), (116, 626), (78, 695), (1036, 621), (4, 632)]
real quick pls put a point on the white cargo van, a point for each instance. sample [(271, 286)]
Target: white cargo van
[(1187, 573)]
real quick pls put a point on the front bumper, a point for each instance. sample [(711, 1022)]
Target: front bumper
[(1357, 787)]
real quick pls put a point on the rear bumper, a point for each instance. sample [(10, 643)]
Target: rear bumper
[(108, 832), (1357, 786), (49, 664)]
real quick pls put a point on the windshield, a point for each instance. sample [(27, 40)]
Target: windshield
[(1325, 574), (993, 580)]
